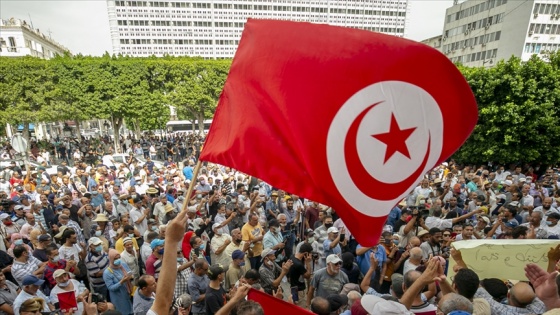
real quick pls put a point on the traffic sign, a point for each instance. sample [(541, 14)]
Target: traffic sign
[(19, 143)]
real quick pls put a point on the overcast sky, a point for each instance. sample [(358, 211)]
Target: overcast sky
[(83, 26)]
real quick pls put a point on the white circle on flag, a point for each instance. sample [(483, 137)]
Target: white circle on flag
[(416, 113)]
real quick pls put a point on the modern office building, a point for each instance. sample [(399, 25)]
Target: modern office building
[(212, 28), (18, 38), (482, 32)]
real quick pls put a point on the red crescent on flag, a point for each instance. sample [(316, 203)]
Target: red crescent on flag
[(367, 184)]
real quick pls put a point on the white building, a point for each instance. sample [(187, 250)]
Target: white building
[(212, 28), (18, 39), (482, 32)]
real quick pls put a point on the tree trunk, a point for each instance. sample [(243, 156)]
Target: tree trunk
[(137, 129), (79, 130), (200, 118), (117, 124), (25, 131), (193, 124)]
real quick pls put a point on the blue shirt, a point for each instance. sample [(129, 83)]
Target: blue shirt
[(363, 260), (188, 172)]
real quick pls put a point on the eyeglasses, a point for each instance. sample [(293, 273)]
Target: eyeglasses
[(338, 264)]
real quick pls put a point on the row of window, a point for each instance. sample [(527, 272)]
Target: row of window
[(159, 4), (481, 55), (144, 41), (487, 5), (536, 48), (536, 28), (546, 8), (469, 42), (469, 27)]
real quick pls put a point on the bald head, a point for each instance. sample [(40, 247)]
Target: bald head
[(415, 253), (455, 302), (353, 296), (409, 278), (521, 295), (320, 305), (415, 241)]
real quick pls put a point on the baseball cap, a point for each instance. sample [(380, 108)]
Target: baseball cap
[(333, 259), (155, 243), (4, 216), (95, 241), (44, 238), (18, 207), (214, 271), (216, 225), (422, 233), (377, 305), (19, 188), (336, 301), (508, 182), (266, 252), (485, 219), (32, 280), (332, 229), (58, 272), (512, 224), (237, 254)]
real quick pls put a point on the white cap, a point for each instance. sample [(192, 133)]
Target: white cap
[(377, 305), (95, 241), (332, 229), (333, 259), (508, 182)]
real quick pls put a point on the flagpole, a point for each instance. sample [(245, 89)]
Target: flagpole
[(191, 185)]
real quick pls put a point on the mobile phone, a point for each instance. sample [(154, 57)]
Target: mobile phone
[(295, 296), (504, 220), (453, 234)]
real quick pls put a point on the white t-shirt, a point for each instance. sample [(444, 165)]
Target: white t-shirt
[(56, 290), (433, 222), (135, 215), (70, 253)]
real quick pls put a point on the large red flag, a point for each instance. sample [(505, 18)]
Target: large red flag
[(349, 118), (272, 305)]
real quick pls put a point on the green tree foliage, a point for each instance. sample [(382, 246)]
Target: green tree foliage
[(519, 104), (132, 91)]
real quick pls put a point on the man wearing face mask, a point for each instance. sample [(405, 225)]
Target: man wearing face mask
[(235, 270), (154, 262), (55, 263), (271, 273), (203, 186), (321, 235), (218, 245), (65, 284), (273, 239), (97, 261), (224, 217), (552, 228), (237, 244)]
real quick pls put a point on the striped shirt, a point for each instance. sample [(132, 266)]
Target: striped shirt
[(153, 266), (20, 270), (95, 264)]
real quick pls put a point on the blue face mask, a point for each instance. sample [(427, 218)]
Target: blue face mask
[(202, 246), (241, 264), (548, 223), (99, 248), (179, 260), (160, 251), (117, 262), (18, 242)]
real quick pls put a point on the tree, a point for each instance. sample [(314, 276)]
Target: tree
[(518, 112)]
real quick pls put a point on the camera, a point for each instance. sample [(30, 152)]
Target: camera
[(314, 255), (96, 298)]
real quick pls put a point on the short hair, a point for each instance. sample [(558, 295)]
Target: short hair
[(519, 231), (410, 277), (512, 209), (456, 302), (247, 308), (50, 249), (496, 288), (320, 306), (252, 274), (193, 240), (19, 250), (305, 248), (467, 282), (199, 263), (128, 228), (143, 281), (67, 234), (151, 236), (434, 231)]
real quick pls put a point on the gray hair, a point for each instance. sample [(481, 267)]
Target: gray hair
[(455, 302), (353, 296)]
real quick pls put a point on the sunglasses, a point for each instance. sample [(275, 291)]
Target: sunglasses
[(338, 264), (446, 234)]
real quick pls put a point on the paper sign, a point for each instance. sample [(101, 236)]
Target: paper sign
[(67, 301), (503, 259)]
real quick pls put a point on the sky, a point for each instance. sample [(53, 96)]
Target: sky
[(83, 26)]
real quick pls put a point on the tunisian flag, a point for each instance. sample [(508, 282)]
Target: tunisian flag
[(349, 118)]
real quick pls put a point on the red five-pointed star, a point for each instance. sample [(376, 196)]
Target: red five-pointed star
[(395, 139)]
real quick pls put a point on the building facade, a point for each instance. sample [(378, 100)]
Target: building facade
[(482, 32), (212, 28), (18, 39)]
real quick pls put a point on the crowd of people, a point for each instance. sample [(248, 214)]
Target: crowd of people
[(127, 239)]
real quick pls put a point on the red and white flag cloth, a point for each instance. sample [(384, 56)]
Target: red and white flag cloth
[(349, 118)]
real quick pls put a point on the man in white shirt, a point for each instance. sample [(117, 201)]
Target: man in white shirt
[(436, 222), (218, 245), (139, 216)]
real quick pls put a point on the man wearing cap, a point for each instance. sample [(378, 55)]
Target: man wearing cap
[(273, 239), (96, 262), (55, 263), (19, 216), (40, 251), (154, 261), (271, 273), (159, 209), (235, 269), (215, 297), (328, 280), (7, 228), (218, 245), (130, 257), (65, 284), (25, 264), (552, 228), (30, 289), (332, 244)]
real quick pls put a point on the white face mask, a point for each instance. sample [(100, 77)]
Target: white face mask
[(270, 263), (311, 239)]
